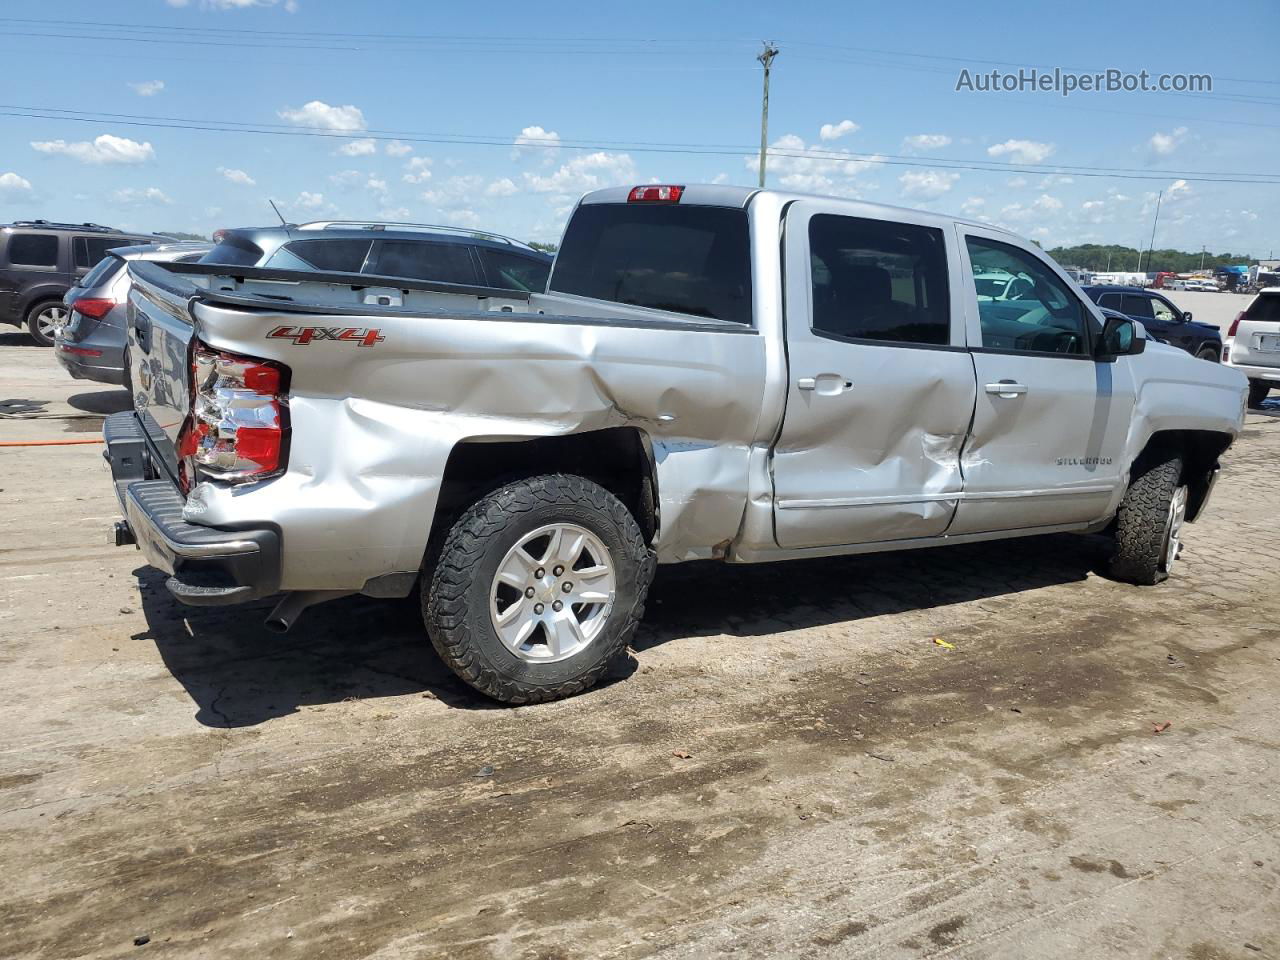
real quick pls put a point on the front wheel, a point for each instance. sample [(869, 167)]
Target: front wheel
[(1149, 521), (1258, 390), (537, 588), (44, 320)]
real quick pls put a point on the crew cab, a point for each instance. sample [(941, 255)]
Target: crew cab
[(715, 373)]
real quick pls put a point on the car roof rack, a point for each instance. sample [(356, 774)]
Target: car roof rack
[(409, 227), (55, 225)]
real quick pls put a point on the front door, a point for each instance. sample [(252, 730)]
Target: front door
[(1050, 423), (881, 386)]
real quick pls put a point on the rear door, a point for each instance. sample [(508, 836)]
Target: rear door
[(159, 340), (424, 260), (881, 387), (1050, 423)]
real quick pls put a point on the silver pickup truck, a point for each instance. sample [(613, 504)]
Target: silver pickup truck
[(715, 373)]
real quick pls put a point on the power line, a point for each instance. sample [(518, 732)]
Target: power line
[(637, 147)]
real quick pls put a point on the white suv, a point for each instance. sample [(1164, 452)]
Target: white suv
[(1253, 344)]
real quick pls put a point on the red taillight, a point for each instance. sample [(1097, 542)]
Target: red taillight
[(1235, 324), (238, 426), (95, 308), (79, 351), (665, 193)]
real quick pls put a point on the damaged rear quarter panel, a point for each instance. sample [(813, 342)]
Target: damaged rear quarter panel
[(372, 427)]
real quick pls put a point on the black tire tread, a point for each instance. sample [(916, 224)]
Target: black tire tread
[(1258, 390), (1140, 520), (445, 604)]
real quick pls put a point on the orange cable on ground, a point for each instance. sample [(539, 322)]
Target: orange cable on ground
[(51, 443)]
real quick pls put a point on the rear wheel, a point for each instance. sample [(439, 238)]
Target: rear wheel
[(1258, 390), (1149, 521), (1210, 352), (44, 320), (537, 587)]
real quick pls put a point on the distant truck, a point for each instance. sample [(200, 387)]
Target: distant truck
[(715, 373)]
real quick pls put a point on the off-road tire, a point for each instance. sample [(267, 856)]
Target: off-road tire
[(455, 608), (1142, 518), (1258, 390)]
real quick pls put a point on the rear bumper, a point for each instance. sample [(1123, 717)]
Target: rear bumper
[(97, 358), (1254, 371), (207, 566)]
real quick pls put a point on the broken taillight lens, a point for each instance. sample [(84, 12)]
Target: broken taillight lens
[(237, 430)]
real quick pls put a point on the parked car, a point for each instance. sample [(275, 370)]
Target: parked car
[(410, 250), (1002, 286), (529, 458), (1203, 286), (39, 262), (1162, 319), (1253, 344), (90, 345)]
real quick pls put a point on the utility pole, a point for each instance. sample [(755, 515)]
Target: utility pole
[(1152, 248), (766, 58), (1202, 250)]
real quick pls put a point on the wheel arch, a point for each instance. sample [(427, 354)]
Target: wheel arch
[(1200, 451)]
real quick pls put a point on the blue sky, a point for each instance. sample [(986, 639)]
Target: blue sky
[(568, 97)]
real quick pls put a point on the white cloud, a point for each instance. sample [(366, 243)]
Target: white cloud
[(346, 178), (359, 148), (834, 131), (926, 141), (926, 184), (135, 196), (1093, 204), (102, 150), (147, 88), (290, 6), (537, 139), (1165, 143), (1041, 207), (456, 192), (419, 170), (1016, 183), (720, 178), (585, 172), (237, 176), (394, 213), (501, 188), (813, 169), (12, 185), (972, 206), (309, 201), (397, 148), (462, 218), (317, 113), (1022, 151), (375, 185), (1178, 190)]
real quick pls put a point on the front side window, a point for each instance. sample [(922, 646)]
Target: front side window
[(685, 259), (90, 250), (1047, 319), (879, 280), (1136, 305), (1163, 311), (417, 260), (514, 272), (33, 250)]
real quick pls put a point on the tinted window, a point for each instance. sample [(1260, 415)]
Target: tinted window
[(1048, 319), (878, 280), (33, 250), (1136, 305), (99, 274), (694, 260), (1266, 308), (416, 260), (515, 272), (1109, 300), (235, 250), (327, 256), (89, 250)]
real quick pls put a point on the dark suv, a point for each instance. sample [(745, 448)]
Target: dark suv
[(40, 261), (1162, 319), (414, 251)]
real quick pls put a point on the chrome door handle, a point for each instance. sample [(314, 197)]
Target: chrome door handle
[(825, 384), (1007, 389)]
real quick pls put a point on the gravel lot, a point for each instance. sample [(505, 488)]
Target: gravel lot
[(789, 765)]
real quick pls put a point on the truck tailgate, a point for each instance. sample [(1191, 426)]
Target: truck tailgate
[(158, 355)]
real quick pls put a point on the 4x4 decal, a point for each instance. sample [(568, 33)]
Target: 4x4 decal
[(361, 336)]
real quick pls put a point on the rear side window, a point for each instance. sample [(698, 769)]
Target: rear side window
[(879, 280), (694, 260), (233, 250), (1266, 308), (89, 250), (327, 256), (1109, 300), (33, 250), (415, 260), (514, 272)]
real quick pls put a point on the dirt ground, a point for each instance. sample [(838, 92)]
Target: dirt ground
[(789, 765)]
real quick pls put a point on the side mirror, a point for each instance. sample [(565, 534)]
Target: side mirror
[(1186, 317), (1119, 339)]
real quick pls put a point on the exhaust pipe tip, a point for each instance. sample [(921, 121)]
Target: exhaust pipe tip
[(291, 605), (278, 624)]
